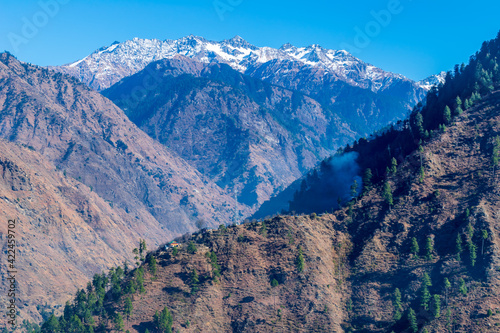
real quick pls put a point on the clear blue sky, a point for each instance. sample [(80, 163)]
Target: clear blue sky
[(423, 37)]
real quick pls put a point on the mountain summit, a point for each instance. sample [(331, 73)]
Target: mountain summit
[(108, 65)]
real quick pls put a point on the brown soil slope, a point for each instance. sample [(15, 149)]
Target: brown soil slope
[(65, 233), (355, 259)]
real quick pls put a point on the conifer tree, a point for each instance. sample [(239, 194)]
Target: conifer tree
[(300, 261), (447, 115), (484, 236), (163, 321), (425, 297), (195, 280), (394, 166), (462, 287), (415, 249), (119, 326), (436, 306), (388, 194), (354, 189), (396, 302), (152, 264), (367, 180), (459, 248), (447, 286), (429, 248), (412, 319)]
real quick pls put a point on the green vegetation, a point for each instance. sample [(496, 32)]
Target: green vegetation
[(412, 319), (429, 248), (415, 249), (459, 248), (367, 180), (300, 261), (394, 166), (191, 249), (163, 321), (462, 287), (194, 280), (436, 306), (387, 194), (398, 307)]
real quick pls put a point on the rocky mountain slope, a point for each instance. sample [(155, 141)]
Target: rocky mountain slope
[(148, 191), (417, 251), (425, 260), (244, 134), (65, 233)]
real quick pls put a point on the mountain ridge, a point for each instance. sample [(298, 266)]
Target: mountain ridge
[(108, 65)]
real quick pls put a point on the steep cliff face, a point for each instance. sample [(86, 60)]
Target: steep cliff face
[(244, 134)]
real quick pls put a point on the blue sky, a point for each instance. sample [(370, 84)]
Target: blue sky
[(418, 37)]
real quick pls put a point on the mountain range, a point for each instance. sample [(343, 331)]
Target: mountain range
[(413, 248), (151, 140), (108, 65), (288, 109)]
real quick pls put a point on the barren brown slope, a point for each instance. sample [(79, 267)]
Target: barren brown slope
[(91, 139), (153, 194), (354, 259), (65, 233), (242, 298)]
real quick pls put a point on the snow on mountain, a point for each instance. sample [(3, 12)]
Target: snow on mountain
[(433, 80), (108, 65)]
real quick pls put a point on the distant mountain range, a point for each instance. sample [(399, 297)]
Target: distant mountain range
[(280, 111), (108, 65)]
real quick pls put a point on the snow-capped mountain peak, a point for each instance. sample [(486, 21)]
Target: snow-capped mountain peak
[(108, 65)]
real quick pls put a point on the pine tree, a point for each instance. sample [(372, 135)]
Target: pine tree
[(412, 319), (163, 321), (191, 248), (467, 104), (300, 261), (367, 180), (415, 249), (152, 264), (195, 280), (484, 236), (472, 253), (394, 166), (51, 325), (354, 189), (419, 123), (458, 103), (447, 115), (462, 287), (426, 280), (119, 326), (421, 174), (447, 286), (459, 248), (388, 194), (128, 308), (396, 302), (436, 306), (429, 248), (425, 297)]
